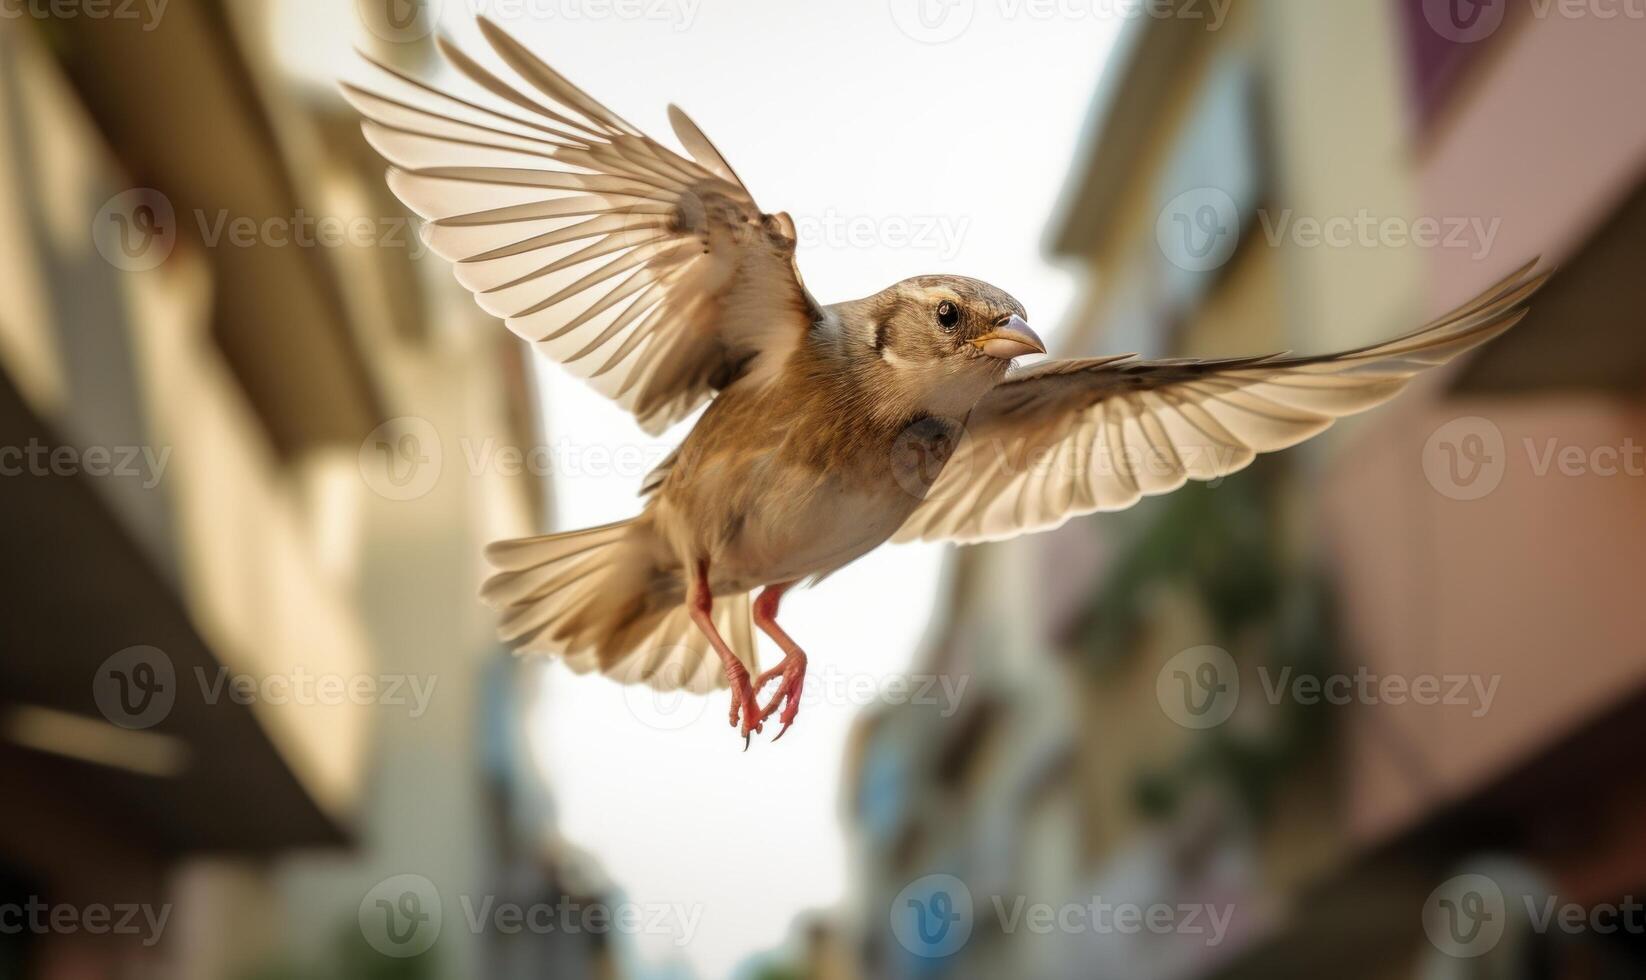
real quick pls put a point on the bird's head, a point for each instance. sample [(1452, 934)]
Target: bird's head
[(954, 321), (942, 341)]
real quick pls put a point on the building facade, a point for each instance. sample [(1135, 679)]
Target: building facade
[(1319, 697), (247, 694)]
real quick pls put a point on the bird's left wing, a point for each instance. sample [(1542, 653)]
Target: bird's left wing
[(1067, 438), (651, 274)]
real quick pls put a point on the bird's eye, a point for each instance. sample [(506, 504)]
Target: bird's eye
[(948, 316)]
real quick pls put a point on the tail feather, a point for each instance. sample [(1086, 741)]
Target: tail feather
[(677, 656), (518, 554), (592, 597)]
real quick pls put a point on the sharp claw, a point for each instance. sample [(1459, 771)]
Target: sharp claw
[(753, 715)]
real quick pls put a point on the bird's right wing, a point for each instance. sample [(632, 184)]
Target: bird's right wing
[(1066, 438), (651, 274)]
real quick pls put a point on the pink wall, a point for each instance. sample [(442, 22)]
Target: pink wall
[(1536, 583), (1547, 134)]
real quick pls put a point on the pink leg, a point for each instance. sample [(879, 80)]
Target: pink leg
[(793, 667), (701, 602)]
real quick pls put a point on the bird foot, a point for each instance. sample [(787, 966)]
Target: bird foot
[(745, 705), (792, 672)]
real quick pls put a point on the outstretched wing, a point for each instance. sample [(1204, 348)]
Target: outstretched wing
[(652, 275), (1067, 438)]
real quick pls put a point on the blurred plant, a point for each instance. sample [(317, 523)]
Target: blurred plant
[(1255, 764), (347, 958), (1221, 544), (1217, 541)]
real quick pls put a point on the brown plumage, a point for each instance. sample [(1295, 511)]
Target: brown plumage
[(829, 429)]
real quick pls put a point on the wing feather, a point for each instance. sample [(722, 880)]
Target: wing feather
[(1067, 438), (651, 274)]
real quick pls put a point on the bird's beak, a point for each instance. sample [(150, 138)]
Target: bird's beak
[(1013, 339)]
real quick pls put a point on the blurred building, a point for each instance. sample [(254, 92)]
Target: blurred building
[(1315, 176), (247, 440)]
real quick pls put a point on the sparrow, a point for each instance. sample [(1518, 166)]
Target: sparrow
[(829, 429)]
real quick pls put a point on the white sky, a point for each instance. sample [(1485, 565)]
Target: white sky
[(896, 157)]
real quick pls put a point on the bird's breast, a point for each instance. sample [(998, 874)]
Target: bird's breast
[(775, 486)]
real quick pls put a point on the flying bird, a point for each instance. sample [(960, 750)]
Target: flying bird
[(829, 429)]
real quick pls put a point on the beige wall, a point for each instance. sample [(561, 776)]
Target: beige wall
[(292, 563), (1331, 162)]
